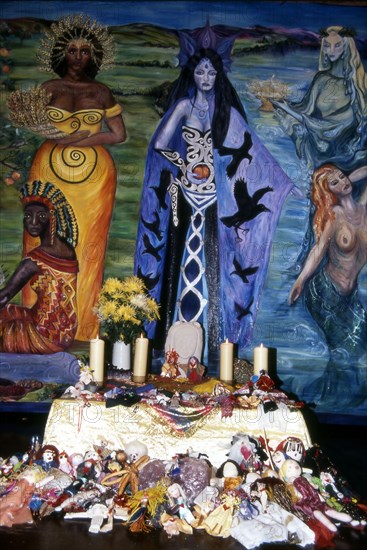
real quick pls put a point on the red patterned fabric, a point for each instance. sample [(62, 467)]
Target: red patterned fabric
[(50, 325)]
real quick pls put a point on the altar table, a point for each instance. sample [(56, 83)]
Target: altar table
[(74, 427)]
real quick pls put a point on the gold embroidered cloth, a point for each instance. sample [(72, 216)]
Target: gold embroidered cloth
[(73, 427)]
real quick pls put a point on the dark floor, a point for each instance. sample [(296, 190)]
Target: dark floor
[(346, 445)]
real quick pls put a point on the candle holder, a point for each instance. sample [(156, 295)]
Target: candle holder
[(139, 379)]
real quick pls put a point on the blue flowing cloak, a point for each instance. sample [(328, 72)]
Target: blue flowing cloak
[(250, 246)]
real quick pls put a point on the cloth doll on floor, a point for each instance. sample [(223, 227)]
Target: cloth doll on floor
[(14, 504), (307, 498)]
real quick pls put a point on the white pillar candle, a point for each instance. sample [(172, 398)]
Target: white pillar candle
[(96, 359), (140, 359), (226, 362), (261, 354)]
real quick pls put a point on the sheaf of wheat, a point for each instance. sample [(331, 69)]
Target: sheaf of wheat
[(27, 109)]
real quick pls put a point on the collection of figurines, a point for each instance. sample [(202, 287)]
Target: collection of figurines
[(193, 371), (259, 494)]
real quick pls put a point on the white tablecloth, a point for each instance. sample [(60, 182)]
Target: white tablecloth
[(73, 427)]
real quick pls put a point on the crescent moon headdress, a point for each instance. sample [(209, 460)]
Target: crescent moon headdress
[(213, 38)]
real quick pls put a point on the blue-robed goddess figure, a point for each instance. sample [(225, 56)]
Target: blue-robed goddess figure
[(211, 200)]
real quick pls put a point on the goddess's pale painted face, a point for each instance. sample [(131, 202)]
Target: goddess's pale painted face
[(339, 184), (204, 75), (333, 46)]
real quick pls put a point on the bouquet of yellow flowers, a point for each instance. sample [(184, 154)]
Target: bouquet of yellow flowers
[(124, 307)]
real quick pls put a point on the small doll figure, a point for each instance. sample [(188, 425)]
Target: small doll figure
[(97, 513), (277, 458), (75, 460), (135, 453), (14, 504), (137, 521), (173, 525), (205, 502), (170, 367), (178, 505), (135, 449), (34, 449), (115, 462), (146, 508), (219, 521), (247, 452), (195, 371), (64, 464), (48, 457), (80, 500), (307, 498), (91, 467), (293, 447), (230, 474)]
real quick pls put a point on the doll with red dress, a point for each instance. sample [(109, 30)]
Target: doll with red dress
[(307, 498)]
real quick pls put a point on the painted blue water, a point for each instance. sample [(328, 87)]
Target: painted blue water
[(302, 353)]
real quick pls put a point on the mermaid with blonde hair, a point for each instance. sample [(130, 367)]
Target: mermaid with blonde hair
[(329, 123)]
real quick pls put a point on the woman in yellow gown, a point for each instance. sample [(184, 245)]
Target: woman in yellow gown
[(78, 164)]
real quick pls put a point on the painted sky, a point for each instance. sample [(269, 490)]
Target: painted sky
[(189, 14)]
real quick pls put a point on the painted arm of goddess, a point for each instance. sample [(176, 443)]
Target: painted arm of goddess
[(313, 261), (164, 138), (23, 273)]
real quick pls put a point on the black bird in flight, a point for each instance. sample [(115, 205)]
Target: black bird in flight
[(243, 273), (161, 190), (242, 312), (248, 207), (237, 154), (150, 249), (154, 226), (148, 280)]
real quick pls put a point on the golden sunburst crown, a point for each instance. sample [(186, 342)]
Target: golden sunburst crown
[(73, 27)]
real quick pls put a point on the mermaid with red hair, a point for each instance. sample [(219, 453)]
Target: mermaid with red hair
[(329, 277)]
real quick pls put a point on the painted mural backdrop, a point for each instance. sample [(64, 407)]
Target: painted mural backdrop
[(298, 70)]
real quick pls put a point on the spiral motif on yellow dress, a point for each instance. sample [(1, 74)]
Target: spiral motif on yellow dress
[(92, 117), (73, 164), (54, 114), (72, 122)]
